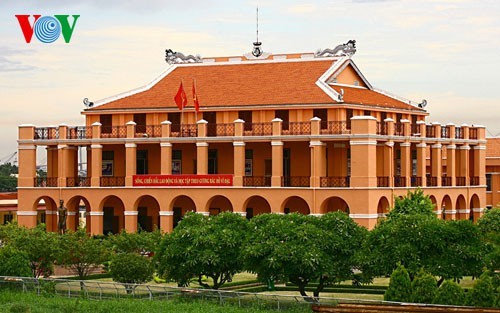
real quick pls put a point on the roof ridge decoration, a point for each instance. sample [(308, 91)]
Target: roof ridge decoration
[(172, 57), (347, 49)]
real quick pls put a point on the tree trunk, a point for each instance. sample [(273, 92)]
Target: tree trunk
[(440, 281), (206, 286)]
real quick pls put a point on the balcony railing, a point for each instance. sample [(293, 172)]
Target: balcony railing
[(256, 181), (429, 131), (146, 131), (297, 128), (113, 131), (459, 133), (399, 181), (399, 129), (46, 133), (474, 181), (383, 181), (445, 181), (220, 129), (335, 181), (432, 181), (258, 129), (295, 181), (79, 132), (335, 128), (45, 182), (184, 130), (445, 132), (461, 181), (473, 133), (112, 181), (416, 181), (381, 128), (78, 181)]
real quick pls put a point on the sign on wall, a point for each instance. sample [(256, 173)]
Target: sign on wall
[(216, 180)]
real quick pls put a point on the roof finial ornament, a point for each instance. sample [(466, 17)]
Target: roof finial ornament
[(346, 49), (257, 50), (172, 57)]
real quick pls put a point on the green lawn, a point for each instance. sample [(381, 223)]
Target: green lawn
[(31, 303)]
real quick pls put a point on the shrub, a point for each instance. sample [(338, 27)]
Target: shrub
[(450, 293), (482, 293), (14, 262), (131, 268), (424, 287), (399, 286)]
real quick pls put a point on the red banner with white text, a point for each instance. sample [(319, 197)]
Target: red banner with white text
[(214, 180)]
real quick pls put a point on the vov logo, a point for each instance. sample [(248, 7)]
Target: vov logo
[(47, 29)]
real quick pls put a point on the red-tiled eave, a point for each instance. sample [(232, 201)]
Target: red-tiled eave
[(353, 95), (242, 84), (493, 147)]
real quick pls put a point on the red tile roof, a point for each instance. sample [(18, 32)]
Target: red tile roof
[(493, 147), (373, 98), (248, 83)]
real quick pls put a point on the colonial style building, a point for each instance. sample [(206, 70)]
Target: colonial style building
[(493, 172), (281, 133)]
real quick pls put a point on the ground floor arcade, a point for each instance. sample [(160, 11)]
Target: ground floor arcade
[(113, 209)]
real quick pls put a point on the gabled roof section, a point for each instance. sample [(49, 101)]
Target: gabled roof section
[(229, 84), (374, 98)]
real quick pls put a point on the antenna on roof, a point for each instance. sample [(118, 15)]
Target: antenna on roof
[(257, 50)]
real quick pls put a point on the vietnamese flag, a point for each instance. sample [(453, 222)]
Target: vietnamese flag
[(181, 98), (195, 99)]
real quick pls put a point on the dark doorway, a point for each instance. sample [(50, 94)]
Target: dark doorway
[(284, 116), (212, 161), (211, 118), (142, 162)]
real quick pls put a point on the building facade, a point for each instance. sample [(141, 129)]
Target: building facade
[(287, 133), (493, 172)]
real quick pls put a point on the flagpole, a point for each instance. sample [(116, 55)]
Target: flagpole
[(182, 113), (195, 110)]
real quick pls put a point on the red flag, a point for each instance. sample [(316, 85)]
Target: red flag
[(181, 98), (195, 99)]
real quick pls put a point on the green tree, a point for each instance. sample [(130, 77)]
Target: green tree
[(448, 249), (415, 202), (8, 181), (141, 242), (424, 288), (301, 249), (489, 227), (14, 262), (450, 293), (203, 246), (482, 293), (399, 286), (82, 253), (131, 269), (41, 247)]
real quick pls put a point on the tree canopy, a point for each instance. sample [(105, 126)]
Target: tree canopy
[(303, 248), (202, 246)]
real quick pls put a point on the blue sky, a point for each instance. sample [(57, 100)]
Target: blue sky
[(444, 51)]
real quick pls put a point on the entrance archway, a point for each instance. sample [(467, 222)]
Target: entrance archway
[(78, 208), (475, 203), (218, 204), (460, 207), (180, 206), (295, 204), (446, 207), (383, 207), (113, 219), (46, 209), (256, 205), (334, 204), (148, 210)]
